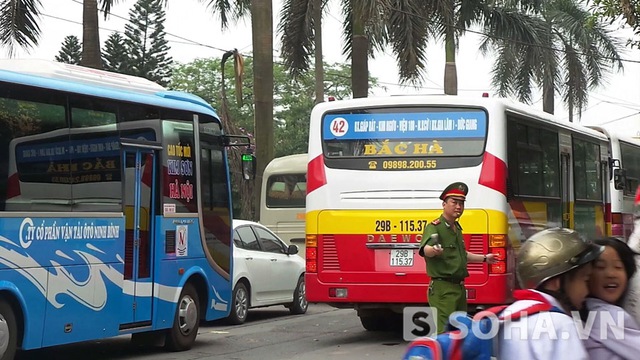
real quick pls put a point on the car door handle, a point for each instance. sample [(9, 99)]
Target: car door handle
[(248, 258), (274, 259)]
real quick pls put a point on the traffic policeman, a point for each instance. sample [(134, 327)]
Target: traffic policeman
[(444, 251)]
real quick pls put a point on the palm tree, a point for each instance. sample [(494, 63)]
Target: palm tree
[(556, 45), (19, 27), (369, 26), (262, 38), (450, 19)]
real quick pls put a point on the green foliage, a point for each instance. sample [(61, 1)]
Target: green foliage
[(557, 46), (144, 39), (71, 51), (293, 97), (115, 54), (613, 10), (293, 101)]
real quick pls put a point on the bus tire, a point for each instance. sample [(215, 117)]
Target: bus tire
[(8, 331), (373, 322), (239, 304), (186, 321), (299, 304)]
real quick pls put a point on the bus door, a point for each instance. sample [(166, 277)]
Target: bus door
[(140, 181), (565, 176)]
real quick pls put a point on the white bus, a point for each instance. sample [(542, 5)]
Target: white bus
[(378, 165), (282, 206), (624, 163)]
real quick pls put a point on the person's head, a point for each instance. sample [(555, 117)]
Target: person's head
[(557, 261), (453, 198), (612, 270)]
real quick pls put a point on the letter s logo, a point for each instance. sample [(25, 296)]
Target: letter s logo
[(424, 328)]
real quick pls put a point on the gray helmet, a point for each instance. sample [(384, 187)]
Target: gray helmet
[(550, 253)]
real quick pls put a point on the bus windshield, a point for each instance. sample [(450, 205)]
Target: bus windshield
[(403, 133)]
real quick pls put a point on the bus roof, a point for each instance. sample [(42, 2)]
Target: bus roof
[(507, 105), (100, 83), (616, 135), (288, 164)]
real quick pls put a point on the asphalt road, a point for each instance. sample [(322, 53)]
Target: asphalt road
[(269, 333)]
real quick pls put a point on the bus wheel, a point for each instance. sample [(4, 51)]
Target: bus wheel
[(300, 304), (186, 321), (373, 323), (239, 305), (8, 332)]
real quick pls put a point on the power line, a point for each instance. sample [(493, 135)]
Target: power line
[(620, 118), (188, 41)]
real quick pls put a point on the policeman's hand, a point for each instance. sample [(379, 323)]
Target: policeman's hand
[(492, 258), (437, 250)]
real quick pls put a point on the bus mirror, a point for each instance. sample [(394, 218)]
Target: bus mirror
[(248, 166), (619, 178), (613, 163), (236, 140)]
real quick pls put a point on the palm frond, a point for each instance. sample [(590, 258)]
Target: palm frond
[(347, 27), (242, 8), (442, 15), (297, 39), (106, 5), (374, 16), (222, 8), (573, 85), (19, 24), (408, 35)]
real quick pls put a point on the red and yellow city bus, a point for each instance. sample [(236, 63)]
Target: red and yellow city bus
[(378, 165)]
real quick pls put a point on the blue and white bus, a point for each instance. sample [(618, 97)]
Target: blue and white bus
[(115, 208)]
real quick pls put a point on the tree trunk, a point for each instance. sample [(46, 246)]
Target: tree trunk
[(90, 35), (548, 95), (450, 72), (359, 59), (319, 66), (548, 86), (262, 37)]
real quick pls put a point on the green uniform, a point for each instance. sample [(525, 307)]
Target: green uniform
[(447, 271)]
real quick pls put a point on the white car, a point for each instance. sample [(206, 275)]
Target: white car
[(266, 272)]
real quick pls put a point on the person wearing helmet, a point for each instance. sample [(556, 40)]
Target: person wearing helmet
[(554, 267), (443, 249), (608, 285)]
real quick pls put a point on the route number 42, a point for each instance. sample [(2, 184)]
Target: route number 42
[(339, 126)]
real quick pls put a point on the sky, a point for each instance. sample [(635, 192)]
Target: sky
[(193, 31)]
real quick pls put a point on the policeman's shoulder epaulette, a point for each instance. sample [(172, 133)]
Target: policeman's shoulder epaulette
[(436, 222)]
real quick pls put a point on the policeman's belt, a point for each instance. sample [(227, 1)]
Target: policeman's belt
[(448, 279)]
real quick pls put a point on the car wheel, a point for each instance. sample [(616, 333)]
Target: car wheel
[(239, 305), (300, 304), (8, 331), (186, 321)]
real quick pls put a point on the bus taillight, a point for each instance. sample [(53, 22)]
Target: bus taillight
[(497, 246), (617, 224), (498, 240), (311, 255), (501, 253)]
